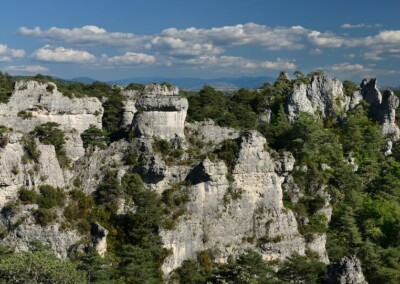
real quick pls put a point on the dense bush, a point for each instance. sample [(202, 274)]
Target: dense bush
[(50, 134), (6, 87), (50, 197), (94, 136), (38, 266)]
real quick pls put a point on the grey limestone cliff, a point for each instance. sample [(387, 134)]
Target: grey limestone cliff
[(161, 112), (383, 107), (347, 271), (323, 96), (245, 211)]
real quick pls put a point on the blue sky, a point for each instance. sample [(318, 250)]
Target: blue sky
[(110, 40)]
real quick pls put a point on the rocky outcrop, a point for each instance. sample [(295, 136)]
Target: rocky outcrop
[(323, 96), (161, 112), (382, 107), (246, 211), (33, 103), (18, 171), (99, 235), (347, 271), (207, 131), (23, 231)]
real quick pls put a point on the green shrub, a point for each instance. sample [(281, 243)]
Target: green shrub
[(25, 114), (50, 134), (30, 148), (349, 87), (161, 146), (38, 266), (131, 158), (45, 216), (50, 197), (50, 88), (94, 136), (134, 86), (6, 87), (27, 196), (228, 153)]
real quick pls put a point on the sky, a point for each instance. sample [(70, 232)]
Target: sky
[(111, 40)]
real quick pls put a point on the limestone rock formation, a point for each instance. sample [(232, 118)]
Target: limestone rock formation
[(99, 235), (161, 112), (323, 96), (16, 172), (347, 271), (383, 108), (208, 131), (246, 211), (33, 103), (23, 231)]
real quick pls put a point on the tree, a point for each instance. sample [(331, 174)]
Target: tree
[(38, 267), (302, 269), (50, 134), (94, 136)]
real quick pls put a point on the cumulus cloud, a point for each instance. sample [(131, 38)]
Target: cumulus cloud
[(278, 38), (325, 39), (213, 39), (360, 26), (348, 67), (85, 35), (61, 54), (211, 47), (228, 62), (129, 58), (359, 69), (199, 41), (26, 69), (181, 47), (6, 53)]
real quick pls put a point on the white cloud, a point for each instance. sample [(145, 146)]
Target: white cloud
[(85, 35), (359, 69), (348, 67), (229, 62), (61, 54), (26, 69), (359, 26), (182, 47), (6, 53), (213, 39), (372, 55), (129, 58), (325, 39), (248, 34)]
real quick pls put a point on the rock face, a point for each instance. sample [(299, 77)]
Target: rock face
[(161, 112), (16, 173), (42, 103), (246, 211), (208, 131), (322, 96), (383, 108), (99, 239), (347, 271), (23, 230), (33, 103)]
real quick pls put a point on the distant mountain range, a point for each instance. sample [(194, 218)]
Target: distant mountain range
[(191, 83)]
